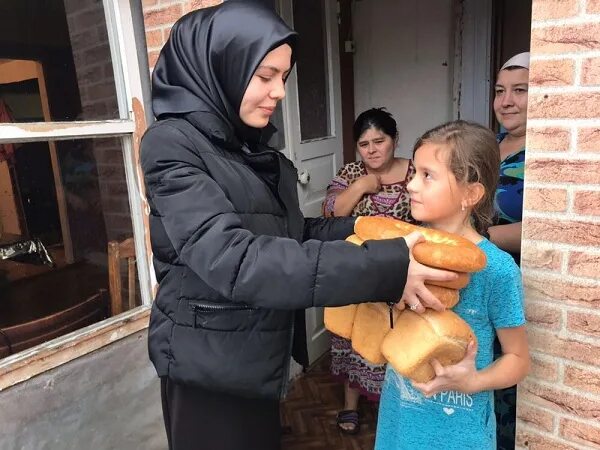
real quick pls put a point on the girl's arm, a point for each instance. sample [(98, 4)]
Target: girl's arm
[(507, 237), (506, 371), (511, 367)]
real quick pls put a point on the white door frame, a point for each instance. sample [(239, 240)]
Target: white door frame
[(306, 154)]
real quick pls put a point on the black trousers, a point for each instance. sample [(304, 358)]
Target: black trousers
[(198, 419)]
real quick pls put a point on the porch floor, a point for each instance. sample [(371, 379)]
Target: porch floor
[(310, 409)]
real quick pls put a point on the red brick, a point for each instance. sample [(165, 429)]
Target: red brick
[(564, 347), (86, 19), (593, 7), (546, 200), (166, 33), (557, 399), (584, 323), (117, 204), (533, 257), (552, 170), (566, 38), (587, 203), (538, 441), (163, 16), (581, 293), (584, 264), (588, 140), (590, 72), (559, 72), (579, 432), (154, 38), (553, 9), (582, 379), (543, 315), (198, 4), (543, 369), (534, 416), (550, 139), (570, 105), (568, 232), (152, 58)]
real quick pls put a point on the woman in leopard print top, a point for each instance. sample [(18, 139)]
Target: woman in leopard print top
[(375, 186)]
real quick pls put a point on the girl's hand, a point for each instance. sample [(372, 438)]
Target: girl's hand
[(370, 184), (458, 377)]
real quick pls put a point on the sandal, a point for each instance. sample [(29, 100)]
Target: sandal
[(348, 416)]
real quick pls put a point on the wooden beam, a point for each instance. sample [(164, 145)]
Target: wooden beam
[(60, 131), (29, 363)]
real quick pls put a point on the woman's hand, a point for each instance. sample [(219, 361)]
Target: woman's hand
[(416, 296), (370, 184), (461, 377)]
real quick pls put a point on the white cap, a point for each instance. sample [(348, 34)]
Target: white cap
[(520, 60)]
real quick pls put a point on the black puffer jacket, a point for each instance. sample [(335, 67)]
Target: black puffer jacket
[(233, 255)]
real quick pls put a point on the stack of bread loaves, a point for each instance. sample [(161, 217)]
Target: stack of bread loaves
[(415, 338)]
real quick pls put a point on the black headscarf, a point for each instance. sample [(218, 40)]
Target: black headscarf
[(210, 57)]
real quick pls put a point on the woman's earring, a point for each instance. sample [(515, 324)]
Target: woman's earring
[(462, 207)]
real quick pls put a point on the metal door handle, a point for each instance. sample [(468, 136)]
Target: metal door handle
[(304, 177)]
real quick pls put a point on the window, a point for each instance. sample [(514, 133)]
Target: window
[(69, 185)]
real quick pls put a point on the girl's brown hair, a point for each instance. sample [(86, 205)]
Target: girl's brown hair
[(474, 157)]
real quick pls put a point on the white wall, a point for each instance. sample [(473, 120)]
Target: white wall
[(404, 61)]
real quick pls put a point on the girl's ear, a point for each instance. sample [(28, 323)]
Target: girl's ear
[(474, 194)]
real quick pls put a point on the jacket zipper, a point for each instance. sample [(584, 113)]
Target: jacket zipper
[(208, 307), (198, 307)]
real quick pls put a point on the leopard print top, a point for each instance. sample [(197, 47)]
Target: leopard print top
[(392, 201)]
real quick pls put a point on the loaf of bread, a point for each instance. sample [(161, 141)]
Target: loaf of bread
[(448, 297), (371, 325), (459, 283), (340, 319), (440, 249), (418, 338)]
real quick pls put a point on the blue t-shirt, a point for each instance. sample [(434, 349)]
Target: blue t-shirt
[(453, 420)]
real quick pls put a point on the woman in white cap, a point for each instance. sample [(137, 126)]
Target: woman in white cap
[(510, 107)]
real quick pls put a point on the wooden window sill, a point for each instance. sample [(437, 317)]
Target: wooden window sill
[(49, 355)]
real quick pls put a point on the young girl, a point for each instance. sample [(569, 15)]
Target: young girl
[(453, 190)]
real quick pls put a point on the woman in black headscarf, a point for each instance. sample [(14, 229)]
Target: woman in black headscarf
[(233, 255)]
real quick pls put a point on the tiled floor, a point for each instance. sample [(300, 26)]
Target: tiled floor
[(310, 410)]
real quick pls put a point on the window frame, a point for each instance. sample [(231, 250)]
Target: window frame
[(124, 49)]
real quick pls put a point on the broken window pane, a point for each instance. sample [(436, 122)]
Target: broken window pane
[(69, 199)]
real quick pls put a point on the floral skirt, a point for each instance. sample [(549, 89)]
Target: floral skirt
[(347, 365)]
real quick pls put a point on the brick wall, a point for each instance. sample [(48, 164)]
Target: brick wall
[(159, 16), (97, 91), (559, 403)]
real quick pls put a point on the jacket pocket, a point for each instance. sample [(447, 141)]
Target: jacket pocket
[(222, 316)]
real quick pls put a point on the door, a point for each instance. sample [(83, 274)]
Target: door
[(312, 116)]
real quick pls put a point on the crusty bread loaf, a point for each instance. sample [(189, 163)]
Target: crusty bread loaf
[(340, 319), (354, 239), (448, 297), (418, 338), (459, 283), (440, 249), (371, 324)]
